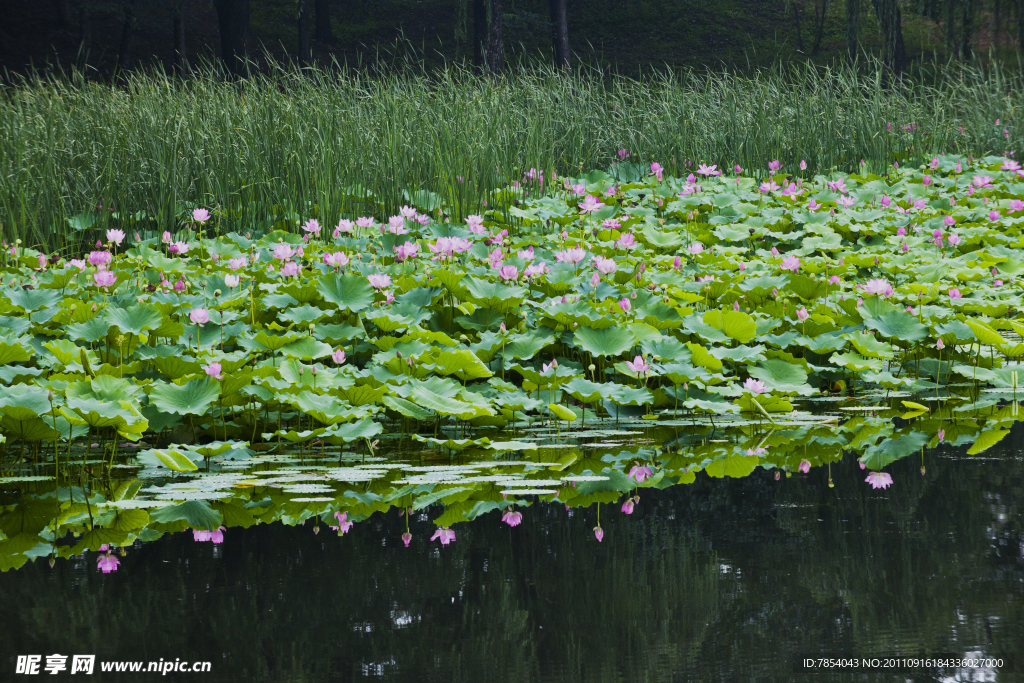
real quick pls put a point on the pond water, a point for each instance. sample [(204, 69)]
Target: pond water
[(726, 578)]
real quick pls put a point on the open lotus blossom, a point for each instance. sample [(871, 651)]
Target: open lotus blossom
[(774, 166), (1016, 205), (813, 205), (512, 518), (107, 563), (214, 370), (443, 534), (344, 525), (379, 281), (980, 181), (711, 170), (338, 356), (100, 258), (640, 473), (237, 263), (791, 190), (754, 386), (291, 269), (574, 255), (599, 533), (535, 269), (231, 280), (312, 226), (879, 480), (954, 293), (846, 201), (627, 241), (752, 452), (804, 466), (366, 222), (834, 280), (405, 251), (838, 185), (1010, 165), (104, 278), (994, 215), (657, 170), (200, 215), (199, 316), (337, 259), (508, 273), (790, 263), (115, 236), (344, 226), (696, 248), (638, 365), (604, 266), (879, 287), (768, 186), (590, 204), (526, 254), (78, 263), (283, 251), (953, 239)]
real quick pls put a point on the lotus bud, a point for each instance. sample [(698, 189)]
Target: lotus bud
[(52, 562), (302, 371), (398, 355), (632, 295), (554, 365), (49, 396), (410, 362), (94, 308), (502, 328), (313, 371)]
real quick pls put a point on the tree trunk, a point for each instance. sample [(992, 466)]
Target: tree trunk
[(305, 34), (819, 17), (64, 14), (179, 34), (233, 18), (799, 33), (86, 28), (124, 52), (559, 34), (889, 18), (495, 52), (1020, 24), (966, 29), (479, 32), (852, 19), (323, 31)]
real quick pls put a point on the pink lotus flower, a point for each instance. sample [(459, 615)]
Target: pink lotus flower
[(625, 305), (406, 539), (939, 345), (804, 466), (696, 248), (790, 263), (837, 185), (405, 251), (846, 202), (980, 181), (803, 165), (179, 248), (901, 231), (627, 507), (590, 204), (78, 263), (598, 533), (954, 239), (338, 356), (802, 314), (290, 269), (344, 226), (443, 534), (104, 278), (166, 237), (366, 222), (534, 270), (813, 205), (237, 263), (107, 563), (623, 153), (640, 473), (656, 170), (627, 241), (954, 293), (214, 370), (886, 201), (994, 215), (379, 281), (705, 170), (1010, 165), (312, 226), (100, 258), (768, 186), (199, 316), (638, 365), (574, 255), (604, 266), (834, 280), (115, 236), (508, 273), (1016, 205), (774, 166), (926, 180), (343, 524), (941, 434), (879, 480), (338, 259), (179, 286), (512, 518), (791, 190), (934, 163), (283, 251), (41, 260), (200, 215), (754, 386), (751, 452), (878, 287)]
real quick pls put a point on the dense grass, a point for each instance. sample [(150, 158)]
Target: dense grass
[(324, 143)]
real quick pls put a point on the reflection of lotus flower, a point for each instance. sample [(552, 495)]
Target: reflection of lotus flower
[(512, 518), (640, 472), (638, 365), (107, 563), (406, 539), (627, 507), (343, 524), (804, 466), (338, 356), (599, 533), (754, 386), (756, 451), (199, 316), (879, 480), (443, 534), (941, 434)]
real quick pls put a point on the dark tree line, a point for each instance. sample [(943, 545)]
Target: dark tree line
[(958, 19)]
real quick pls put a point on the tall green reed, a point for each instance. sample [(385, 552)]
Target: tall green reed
[(287, 144)]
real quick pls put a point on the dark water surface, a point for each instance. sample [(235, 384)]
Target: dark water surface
[(724, 579)]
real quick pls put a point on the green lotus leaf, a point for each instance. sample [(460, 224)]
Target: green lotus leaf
[(14, 349), (493, 294), (700, 356), (264, 341), (782, 376), (610, 341), (303, 315), (33, 299), (527, 345), (898, 325), (348, 292), (192, 398), (23, 402), (134, 320), (346, 433), (986, 439), (104, 388), (406, 408), (735, 324), (985, 333), (561, 412), (462, 363), (855, 362), (307, 348), (447, 406), (452, 444), (171, 458)]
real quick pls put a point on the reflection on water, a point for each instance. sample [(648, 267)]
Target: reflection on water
[(721, 579)]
